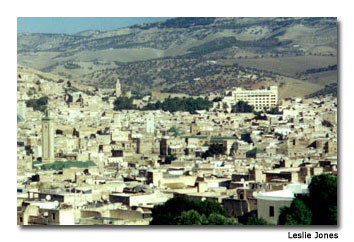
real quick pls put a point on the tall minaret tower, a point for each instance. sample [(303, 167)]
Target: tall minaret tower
[(47, 138), (118, 89), (150, 123), (21, 106)]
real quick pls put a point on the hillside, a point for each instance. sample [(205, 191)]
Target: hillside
[(192, 55)]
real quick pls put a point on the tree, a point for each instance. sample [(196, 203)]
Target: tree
[(217, 99), (242, 107), (39, 104), (318, 208), (218, 219), (253, 220), (122, 103), (171, 212), (326, 123), (181, 104), (214, 149), (323, 199), (192, 217), (274, 110), (297, 214), (170, 158)]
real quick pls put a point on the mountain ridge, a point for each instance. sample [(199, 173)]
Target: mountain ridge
[(184, 46)]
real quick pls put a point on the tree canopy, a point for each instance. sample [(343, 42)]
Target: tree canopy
[(253, 220), (39, 104), (169, 159), (181, 104), (214, 149), (242, 107), (323, 199), (318, 208), (122, 103), (297, 214), (183, 211), (274, 110), (327, 123)]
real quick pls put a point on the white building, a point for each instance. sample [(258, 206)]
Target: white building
[(259, 99)]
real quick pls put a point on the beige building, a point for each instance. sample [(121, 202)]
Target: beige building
[(269, 204), (260, 99)]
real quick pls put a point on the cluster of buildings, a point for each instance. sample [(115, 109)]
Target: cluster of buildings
[(86, 164), (260, 99)]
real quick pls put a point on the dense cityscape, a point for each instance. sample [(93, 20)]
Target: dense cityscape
[(105, 156)]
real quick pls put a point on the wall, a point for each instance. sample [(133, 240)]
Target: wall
[(263, 209)]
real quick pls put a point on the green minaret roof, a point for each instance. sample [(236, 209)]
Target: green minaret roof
[(175, 131), (255, 151)]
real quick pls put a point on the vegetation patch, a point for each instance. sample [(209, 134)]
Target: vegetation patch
[(242, 107), (318, 208), (59, 165), (316, 70), (181, 104), (330, 89), (183, 211), (39, 104), (122, 103)]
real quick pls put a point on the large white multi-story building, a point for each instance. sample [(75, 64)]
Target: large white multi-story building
[(259, 99)]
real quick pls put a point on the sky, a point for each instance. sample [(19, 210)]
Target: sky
[(74, 25)]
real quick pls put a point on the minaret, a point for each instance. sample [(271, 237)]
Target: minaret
[(47, 138), (118, 89), (150, 123), (21, 106)]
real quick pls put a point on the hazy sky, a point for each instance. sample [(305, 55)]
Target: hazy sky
[(74, 25)]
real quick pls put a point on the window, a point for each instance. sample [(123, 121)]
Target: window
[(53, 216), (271, 211)]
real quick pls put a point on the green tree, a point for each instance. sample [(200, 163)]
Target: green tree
[(242, 107), (39, 104), (122, 103), (318, 208), (170, 158), (327, 123), (181, 104), (214, 149), (170, 213), (254, 220), (323, 199), (192, 217), (274, 110), (297, 214), (218, 219)]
